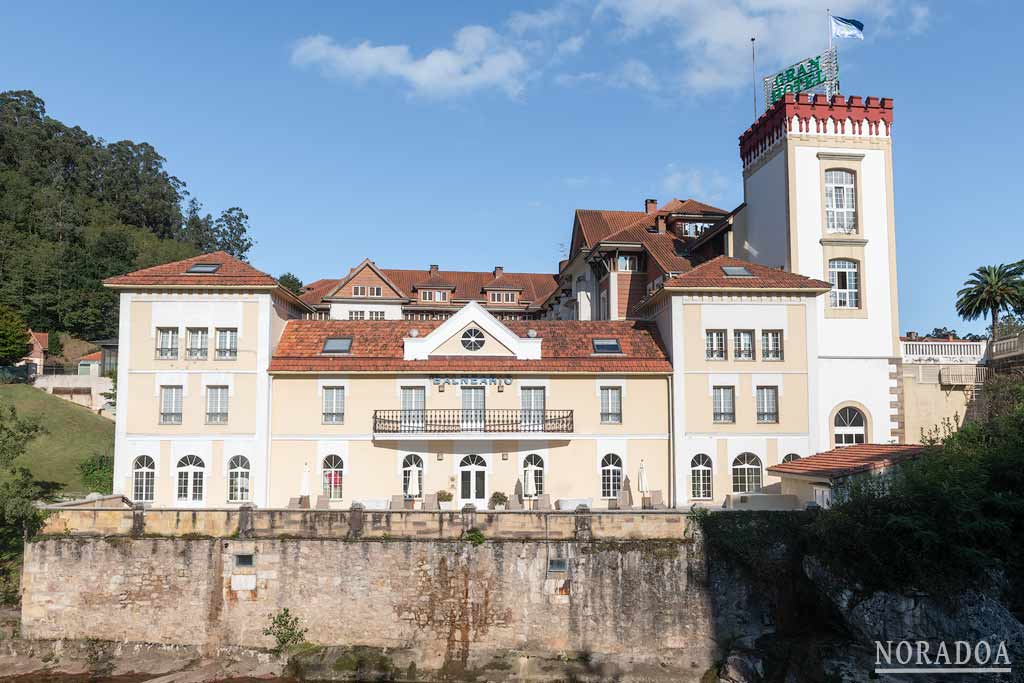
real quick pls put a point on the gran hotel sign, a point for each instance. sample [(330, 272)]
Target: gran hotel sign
[(470, 380)]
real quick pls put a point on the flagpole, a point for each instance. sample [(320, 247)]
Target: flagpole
[(753, 74), (828, 15)]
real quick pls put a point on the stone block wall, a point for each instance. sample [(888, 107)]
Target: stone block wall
[(439, 603)]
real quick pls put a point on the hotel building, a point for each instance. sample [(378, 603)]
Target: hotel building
[(684, 347)]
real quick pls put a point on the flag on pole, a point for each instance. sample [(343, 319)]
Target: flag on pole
[(847, 28)]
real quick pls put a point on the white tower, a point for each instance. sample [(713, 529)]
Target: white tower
[(817, 177)]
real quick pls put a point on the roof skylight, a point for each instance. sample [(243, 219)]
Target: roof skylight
[(203, 268), (337, 345), (736, 271), (607, 346)]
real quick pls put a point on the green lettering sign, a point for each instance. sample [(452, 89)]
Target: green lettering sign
[(820, 72)]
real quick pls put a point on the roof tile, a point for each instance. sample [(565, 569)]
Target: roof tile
[(232, 273), (841, 462)]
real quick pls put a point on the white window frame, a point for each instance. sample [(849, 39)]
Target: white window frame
[(143, 479), (190, 479), (473, 464), (743, 345), (840, 201), (701, 477), (217, 400), (239, 479), (374, 291), (474, 408), (747, 473), (847, 434), (427, 295), (171, 398), (332, 476), (198, 347), (227, 343), (533, 402), (333, 405), (714, 345), (846, 272), (723, 404), (166, 343), (412, 463), (767, 404), (611, 470), (611, 399), (376, 315), (772, 345), (413, 408), (359, 290), (628, 263), (357, 315), (533, 464)]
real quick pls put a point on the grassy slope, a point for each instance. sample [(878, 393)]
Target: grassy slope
[(73, 434)]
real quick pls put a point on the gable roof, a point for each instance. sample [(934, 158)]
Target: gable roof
[(710, 275), (232, 273), (842, 462), (317, 290), (94, 356), (379, 346), (597, 224), (41, 338)]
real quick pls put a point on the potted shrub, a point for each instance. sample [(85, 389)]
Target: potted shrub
[(498, 501), (445, 500)]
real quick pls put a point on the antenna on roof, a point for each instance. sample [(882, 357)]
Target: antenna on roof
[(753, 74)]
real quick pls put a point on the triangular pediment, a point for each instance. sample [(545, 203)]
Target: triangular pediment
[(495, 339), (369, 275)]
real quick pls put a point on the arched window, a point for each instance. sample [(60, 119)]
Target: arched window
[(333, 474), (840, 201), (845, 279), (790, 457), (700, 477), (473, 479), (238, 479), (611, 475), (850, 427), (190, 478), (746, 473), (533, 475), (143, 477), (412, 476)]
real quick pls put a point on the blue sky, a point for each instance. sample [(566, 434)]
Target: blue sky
[(465, 134)]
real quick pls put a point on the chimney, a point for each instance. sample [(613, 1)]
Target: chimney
[(650, 206), (433, 269), (660, 222), (498, 270)]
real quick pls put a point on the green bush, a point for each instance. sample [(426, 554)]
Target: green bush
[(97, 473), (284, 628), (474, 536), (498, 498)]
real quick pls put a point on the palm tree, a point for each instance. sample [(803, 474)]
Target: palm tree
[(991, 289)]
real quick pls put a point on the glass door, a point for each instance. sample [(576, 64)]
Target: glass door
[(414, 401), (473, 481), (473, 409)]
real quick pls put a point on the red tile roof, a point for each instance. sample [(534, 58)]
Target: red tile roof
[(232, 273), (95, 355), (597, 224), (466, 285), (709, 275), (842, 462), (378, 346), (42, 338)]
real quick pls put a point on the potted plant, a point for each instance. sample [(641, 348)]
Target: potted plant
[(445, 500), (498, 501)]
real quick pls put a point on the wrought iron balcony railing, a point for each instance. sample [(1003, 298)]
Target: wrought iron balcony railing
[(457, 421)]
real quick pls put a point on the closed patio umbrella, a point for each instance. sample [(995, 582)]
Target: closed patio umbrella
[(641, 479), (531, 482), (304, 490), (414, 482)]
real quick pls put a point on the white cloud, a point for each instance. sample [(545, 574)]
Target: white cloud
[(683, 183), (478, 59), (714, 37), (526, 22), (920, 16), (570, 46), (635, 73)]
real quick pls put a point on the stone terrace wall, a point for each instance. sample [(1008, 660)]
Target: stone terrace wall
[(438, 603), (267, 523)]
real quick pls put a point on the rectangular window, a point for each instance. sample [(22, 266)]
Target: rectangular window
[(767, 404), (442, 296), (611, 405), (358, 290), (473, 408), (840, 201), (533, 408), (356, 315), (771, 344), (427, 295), (510, 297), (170, 405), (374, 291), (337, 345), (216, 405), (198, 343), (714, 343), (743, 348), (495, 297), (227, 343), (724, 399), (414, 401), (607, 346), (604, 305), (627, 263), (843, 276), (167, 343), (376, 315), (334, 405)]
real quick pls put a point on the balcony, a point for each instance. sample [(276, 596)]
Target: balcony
[(946, 352), (1011, 346), (498, 421)]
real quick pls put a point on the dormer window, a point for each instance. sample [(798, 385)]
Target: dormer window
[(433, 295), (203, 268), (427, 295), (607, 346), (337, 345), (627, 263), (503, 297)]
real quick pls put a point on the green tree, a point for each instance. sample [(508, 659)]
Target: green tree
[(232, 230), (54, 345), (991, 290), (14, 338), (291, 283), (15, 434)]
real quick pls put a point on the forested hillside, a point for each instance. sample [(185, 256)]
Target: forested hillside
[(75, 209)]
